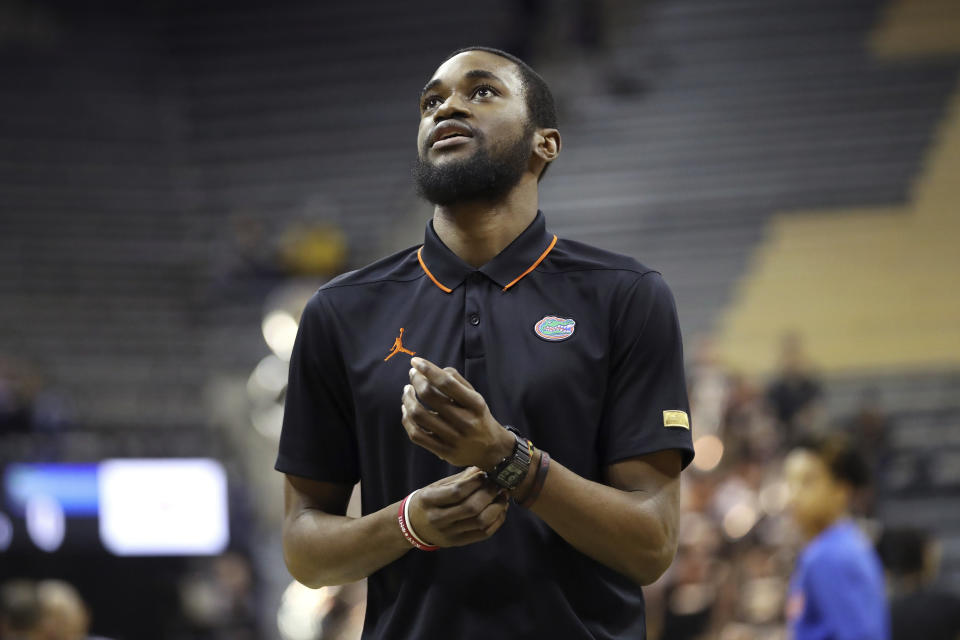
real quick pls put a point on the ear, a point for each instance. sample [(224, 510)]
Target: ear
[(845, 495), (547, 144)]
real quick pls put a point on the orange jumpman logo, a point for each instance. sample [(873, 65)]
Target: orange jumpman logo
[(398, 347)]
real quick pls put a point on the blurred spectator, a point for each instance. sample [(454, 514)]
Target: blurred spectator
[(244, 258), (312, 248), (795, 390), (20, 612), (218, 600), (917, 609), (44, 610), (14, 404), (870, 427), (64, 615), (691, 597), (748, 429), (253, 257), (28, 401), (837, 589), (709, 389)]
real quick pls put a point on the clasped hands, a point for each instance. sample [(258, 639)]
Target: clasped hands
[(444, 414)]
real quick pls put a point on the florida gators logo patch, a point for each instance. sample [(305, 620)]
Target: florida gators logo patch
[(554, 329)]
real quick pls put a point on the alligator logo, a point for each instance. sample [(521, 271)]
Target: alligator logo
[(554, 329)]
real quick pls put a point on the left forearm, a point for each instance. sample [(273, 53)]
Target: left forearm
[(624, 530)]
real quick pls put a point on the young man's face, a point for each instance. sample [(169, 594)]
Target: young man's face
[(475, 139), (816, 497)]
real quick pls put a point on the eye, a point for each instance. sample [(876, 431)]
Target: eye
[(431, 102), (484, 91)]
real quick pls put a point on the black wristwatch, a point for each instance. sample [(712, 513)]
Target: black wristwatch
[(511, 471)]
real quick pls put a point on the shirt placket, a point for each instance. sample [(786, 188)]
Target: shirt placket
[(475, 369)]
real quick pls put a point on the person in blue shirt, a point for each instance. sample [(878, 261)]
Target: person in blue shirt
[(837, 589)]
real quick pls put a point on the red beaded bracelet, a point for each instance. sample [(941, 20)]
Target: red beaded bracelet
[(407, 530)]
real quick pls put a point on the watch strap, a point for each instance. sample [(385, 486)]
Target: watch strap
[(511, 471)]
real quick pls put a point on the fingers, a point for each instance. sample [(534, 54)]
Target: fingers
[(431, 397), (460, 378), (469, 507), (485, 525), (422, 437), (455, 492), (458, 476), (425, 419), (485, 519), (448, 384), (463, 511)]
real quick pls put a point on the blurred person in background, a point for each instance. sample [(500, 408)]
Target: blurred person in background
[(15, 405), (794, 393), (870, 427), (28, 401), (918, 609), (64, 615), (709, 389), (610, 403), (692, 592), (20, 611), (837, 589), (218, 601)]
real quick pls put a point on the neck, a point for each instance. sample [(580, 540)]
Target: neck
[(478, 231), (817, 528)]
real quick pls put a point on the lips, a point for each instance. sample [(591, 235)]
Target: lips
[(449, 133)]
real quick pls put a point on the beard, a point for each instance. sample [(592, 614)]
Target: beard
[(480, 177)]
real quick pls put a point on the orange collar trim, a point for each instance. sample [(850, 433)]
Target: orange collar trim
[(427, 271), (534, 265), (446, 289)]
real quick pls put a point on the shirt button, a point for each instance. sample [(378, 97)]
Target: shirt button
[(474, 319)]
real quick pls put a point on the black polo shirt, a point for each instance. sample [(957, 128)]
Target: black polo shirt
[(577, 347)]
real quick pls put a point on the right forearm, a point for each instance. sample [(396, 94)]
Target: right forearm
[(322, 549)]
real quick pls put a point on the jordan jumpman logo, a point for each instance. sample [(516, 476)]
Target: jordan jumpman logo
[(398, 347)]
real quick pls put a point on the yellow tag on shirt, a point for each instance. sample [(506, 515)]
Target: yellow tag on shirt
[(676, 419)]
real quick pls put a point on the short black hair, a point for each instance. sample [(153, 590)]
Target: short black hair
[(540, 105), (902, 550), (844, 460), (20, 608)]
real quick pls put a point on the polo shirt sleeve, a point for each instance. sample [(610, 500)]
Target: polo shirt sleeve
[(318, 439), (646, 402)]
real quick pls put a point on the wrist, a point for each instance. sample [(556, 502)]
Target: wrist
[(502, 448), (406, 526), (526, 485)]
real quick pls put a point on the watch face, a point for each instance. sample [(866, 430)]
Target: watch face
[(512, 470), (511, 476)]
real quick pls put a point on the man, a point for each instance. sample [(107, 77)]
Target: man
[(837, 590), (407, 373), (20, 611), (793, 396), (918, 607)]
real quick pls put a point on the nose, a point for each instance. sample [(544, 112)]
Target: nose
[(452, 106)]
